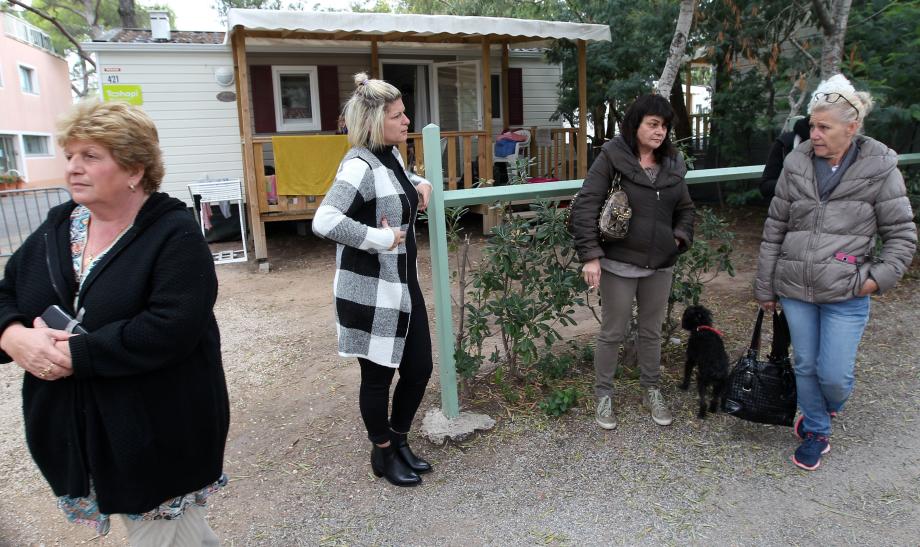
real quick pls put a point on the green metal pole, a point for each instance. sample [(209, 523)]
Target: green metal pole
[(440, 272)]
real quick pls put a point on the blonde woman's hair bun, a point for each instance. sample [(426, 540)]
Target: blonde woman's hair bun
[(365, 111)]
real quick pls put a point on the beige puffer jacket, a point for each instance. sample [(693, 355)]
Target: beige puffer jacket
[(802, 235)]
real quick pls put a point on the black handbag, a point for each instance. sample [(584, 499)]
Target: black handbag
[(763, 391)]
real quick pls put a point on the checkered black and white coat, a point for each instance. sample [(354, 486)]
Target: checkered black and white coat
[(372, 304)]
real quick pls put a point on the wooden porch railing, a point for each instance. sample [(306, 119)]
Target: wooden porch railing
[(558, 158), (699, 130), (451, 144), (461, 150), (283, 207)]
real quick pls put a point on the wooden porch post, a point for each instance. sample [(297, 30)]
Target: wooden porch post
[(375, 60), (506, 98), (689, 95), (582, 110), (249, 163), (485, 171)]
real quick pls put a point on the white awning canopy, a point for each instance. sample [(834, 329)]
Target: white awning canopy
[(409, 27)]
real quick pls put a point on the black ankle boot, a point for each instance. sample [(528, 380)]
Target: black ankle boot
[(401, 442), (386, 462)]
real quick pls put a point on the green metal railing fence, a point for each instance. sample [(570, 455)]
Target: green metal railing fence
[(437, 229)]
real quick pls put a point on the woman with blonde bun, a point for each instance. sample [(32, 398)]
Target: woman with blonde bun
[(370, 211)]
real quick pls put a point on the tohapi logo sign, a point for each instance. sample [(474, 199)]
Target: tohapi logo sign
[(128, 93)]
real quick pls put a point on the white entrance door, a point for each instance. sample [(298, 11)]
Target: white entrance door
[(459, 96), (414, 79)]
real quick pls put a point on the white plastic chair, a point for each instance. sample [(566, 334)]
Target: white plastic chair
[(212, 192), (521, 151)]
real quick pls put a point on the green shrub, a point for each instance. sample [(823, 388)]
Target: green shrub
[(560, 401), (709, 255)]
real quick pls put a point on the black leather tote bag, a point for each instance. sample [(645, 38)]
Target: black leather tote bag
[(764, 391)]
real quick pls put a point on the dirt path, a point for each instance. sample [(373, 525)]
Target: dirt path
[(297, 454)]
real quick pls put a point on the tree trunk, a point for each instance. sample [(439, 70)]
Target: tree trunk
[(88, 10), (834, 27), (795, 103), (612, 120), (678, 47), (771, 105), (599, 116), (126, 11), (681, 125), (721, 76)]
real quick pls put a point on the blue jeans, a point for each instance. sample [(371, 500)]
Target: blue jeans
[(824, 341)]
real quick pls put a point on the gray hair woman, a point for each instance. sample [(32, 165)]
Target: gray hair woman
[(837, 195), (370, 211)]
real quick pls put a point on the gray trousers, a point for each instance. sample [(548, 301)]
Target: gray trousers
[(617, 294), (191, 530)]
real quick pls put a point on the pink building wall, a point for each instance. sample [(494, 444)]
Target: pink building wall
[(33, 114)]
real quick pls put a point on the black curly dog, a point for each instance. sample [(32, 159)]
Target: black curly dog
[(705, 352)]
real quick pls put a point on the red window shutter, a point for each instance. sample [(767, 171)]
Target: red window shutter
[(263, 98), (328, 96), (515, 96)]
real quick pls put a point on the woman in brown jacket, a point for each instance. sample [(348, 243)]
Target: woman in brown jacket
[(640, 265), (837, 195)]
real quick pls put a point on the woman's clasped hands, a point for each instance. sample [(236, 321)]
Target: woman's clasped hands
[(40, 351)]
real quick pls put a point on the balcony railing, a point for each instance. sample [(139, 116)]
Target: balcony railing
[(25, 32)]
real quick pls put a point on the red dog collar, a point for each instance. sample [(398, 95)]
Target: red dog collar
[(707, 327)]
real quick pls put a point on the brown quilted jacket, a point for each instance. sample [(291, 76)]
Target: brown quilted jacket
[(661, 212)]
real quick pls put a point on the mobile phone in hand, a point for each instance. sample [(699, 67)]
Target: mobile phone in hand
[(58, 319)]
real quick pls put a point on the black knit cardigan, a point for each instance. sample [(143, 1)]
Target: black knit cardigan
[(146, 413)]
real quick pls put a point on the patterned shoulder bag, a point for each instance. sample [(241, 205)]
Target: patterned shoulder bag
[(613, 220)]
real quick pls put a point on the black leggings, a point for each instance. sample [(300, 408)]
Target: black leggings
[(414, 372)]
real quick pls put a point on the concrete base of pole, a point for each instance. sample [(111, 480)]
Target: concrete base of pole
[(437, 428)]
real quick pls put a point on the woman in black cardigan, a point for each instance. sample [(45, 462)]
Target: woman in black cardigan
[(131, 417)]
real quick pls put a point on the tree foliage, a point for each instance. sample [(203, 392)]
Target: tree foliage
[(536, 9), (881, 54), (620, 70), (223, 7)]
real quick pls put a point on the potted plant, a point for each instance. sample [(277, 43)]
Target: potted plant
[(10, 181)]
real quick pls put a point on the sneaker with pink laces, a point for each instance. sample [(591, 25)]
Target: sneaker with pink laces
[(808, 455)]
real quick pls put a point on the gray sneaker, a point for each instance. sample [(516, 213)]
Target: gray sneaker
[(654, 402), (604, 415)]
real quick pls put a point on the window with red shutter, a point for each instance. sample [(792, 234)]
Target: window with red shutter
[(263, 98)]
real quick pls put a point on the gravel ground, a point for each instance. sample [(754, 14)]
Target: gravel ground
[(297, 453)]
